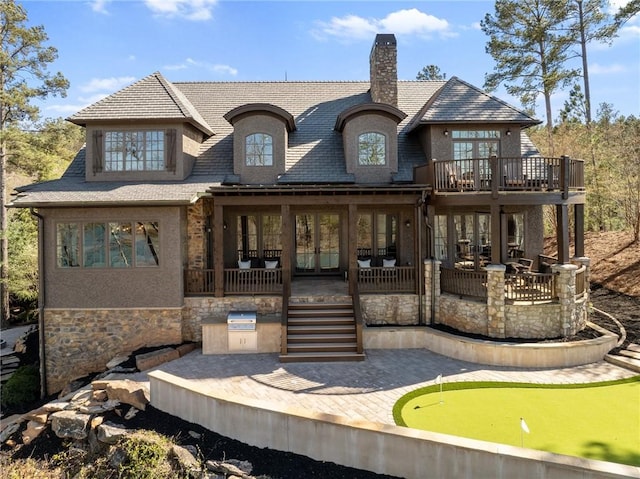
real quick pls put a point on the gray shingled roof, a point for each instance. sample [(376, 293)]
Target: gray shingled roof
[(459, 102), (151, 98), (315, 151)]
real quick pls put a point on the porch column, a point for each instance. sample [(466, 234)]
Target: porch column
[(578, 234), (431, 289), (218, 250), (287, 234), (562, 233), (570, 322), (496, 311), (496, 239), (352, 245)]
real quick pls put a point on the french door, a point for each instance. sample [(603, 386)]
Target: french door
[(317, 243)]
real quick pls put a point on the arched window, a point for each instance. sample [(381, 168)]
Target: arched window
[(372, 149), (259, 150)]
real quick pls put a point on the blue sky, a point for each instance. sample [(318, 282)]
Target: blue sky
[(104, 45)]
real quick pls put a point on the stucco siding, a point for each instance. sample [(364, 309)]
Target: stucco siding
[(134, 287)]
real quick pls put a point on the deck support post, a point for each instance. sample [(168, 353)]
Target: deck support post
[(562, 233), (218, 250)]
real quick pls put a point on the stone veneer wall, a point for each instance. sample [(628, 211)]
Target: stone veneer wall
[(200, 309), (79, 342), (383, 309), (463, 314), (497, 318), (196, 222)]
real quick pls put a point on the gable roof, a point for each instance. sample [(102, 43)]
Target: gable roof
[(315, 152), (153, 98), (460, 102)]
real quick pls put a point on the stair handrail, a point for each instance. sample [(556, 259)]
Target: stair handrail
[(286, 292), (357, 312)]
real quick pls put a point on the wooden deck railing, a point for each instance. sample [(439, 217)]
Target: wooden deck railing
[(508, 174), (530, 286), (198, 282), (464, 283), (252, 281), (396, 279)]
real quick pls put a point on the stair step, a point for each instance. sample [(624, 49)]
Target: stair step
[(321, 357), (321, 329), (8, 359), (320, 321), (623, 362), (634, 347), (320, 347), (630, 353), (346, 337), (321, 313), (319, 305)]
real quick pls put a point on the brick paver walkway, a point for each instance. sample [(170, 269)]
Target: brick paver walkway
[(359, 390)]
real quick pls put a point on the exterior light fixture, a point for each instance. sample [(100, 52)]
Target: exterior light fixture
[(508, 132), (445, 132), (407, 223)]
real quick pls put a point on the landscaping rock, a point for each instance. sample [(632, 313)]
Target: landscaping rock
[(185, 459), (70, 424), (8, 431), (110, 433), (227, 469), (125, 391), (38, 415), (117, 361), (155, 358), (186, 348), (32, 431)]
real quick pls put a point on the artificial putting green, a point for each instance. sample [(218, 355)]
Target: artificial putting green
[(597, 421)]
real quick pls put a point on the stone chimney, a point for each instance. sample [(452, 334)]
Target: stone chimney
[(383, 68)]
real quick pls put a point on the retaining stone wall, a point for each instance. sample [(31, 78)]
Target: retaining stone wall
[(79, 342), (396, 309), (465, 315)]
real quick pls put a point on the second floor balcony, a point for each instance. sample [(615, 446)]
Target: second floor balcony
[(494, 175)]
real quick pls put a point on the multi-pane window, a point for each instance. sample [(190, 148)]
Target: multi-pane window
[(259, 236), (108, 245), (259, 150), (469, 144), (440, 237), (372, 149), (134, 150), (377, 234)]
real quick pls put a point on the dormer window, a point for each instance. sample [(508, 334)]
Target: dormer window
[(132, 150), (372, 149), (259, 150)]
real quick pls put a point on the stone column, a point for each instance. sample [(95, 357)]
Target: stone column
[(496, 312), (431, 289), (566, 290)]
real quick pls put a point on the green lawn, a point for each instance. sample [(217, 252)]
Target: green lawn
[(597, 421)]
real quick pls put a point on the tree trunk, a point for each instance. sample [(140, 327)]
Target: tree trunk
[(4, 243)]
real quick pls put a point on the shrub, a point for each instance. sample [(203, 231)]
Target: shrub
[(23, 387), (146, 457)]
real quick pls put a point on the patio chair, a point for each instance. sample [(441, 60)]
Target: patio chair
[(458, 180)]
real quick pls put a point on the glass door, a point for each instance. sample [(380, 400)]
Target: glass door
[(317, 243)]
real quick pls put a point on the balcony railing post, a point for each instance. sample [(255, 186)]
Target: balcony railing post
[(495, 178), (564, 176)]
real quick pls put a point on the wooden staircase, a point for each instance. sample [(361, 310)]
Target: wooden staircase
[(321, 332)]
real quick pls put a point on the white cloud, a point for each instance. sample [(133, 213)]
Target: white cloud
[(414, 22), (213, 67), (195, 10), (597, 69), (106, 84), (401, 22), (100, 6)]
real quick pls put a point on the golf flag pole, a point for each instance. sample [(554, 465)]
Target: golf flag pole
[(523, 428), (439, 381)]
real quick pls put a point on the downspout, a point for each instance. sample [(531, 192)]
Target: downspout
[(420, 261), (41, 295)]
